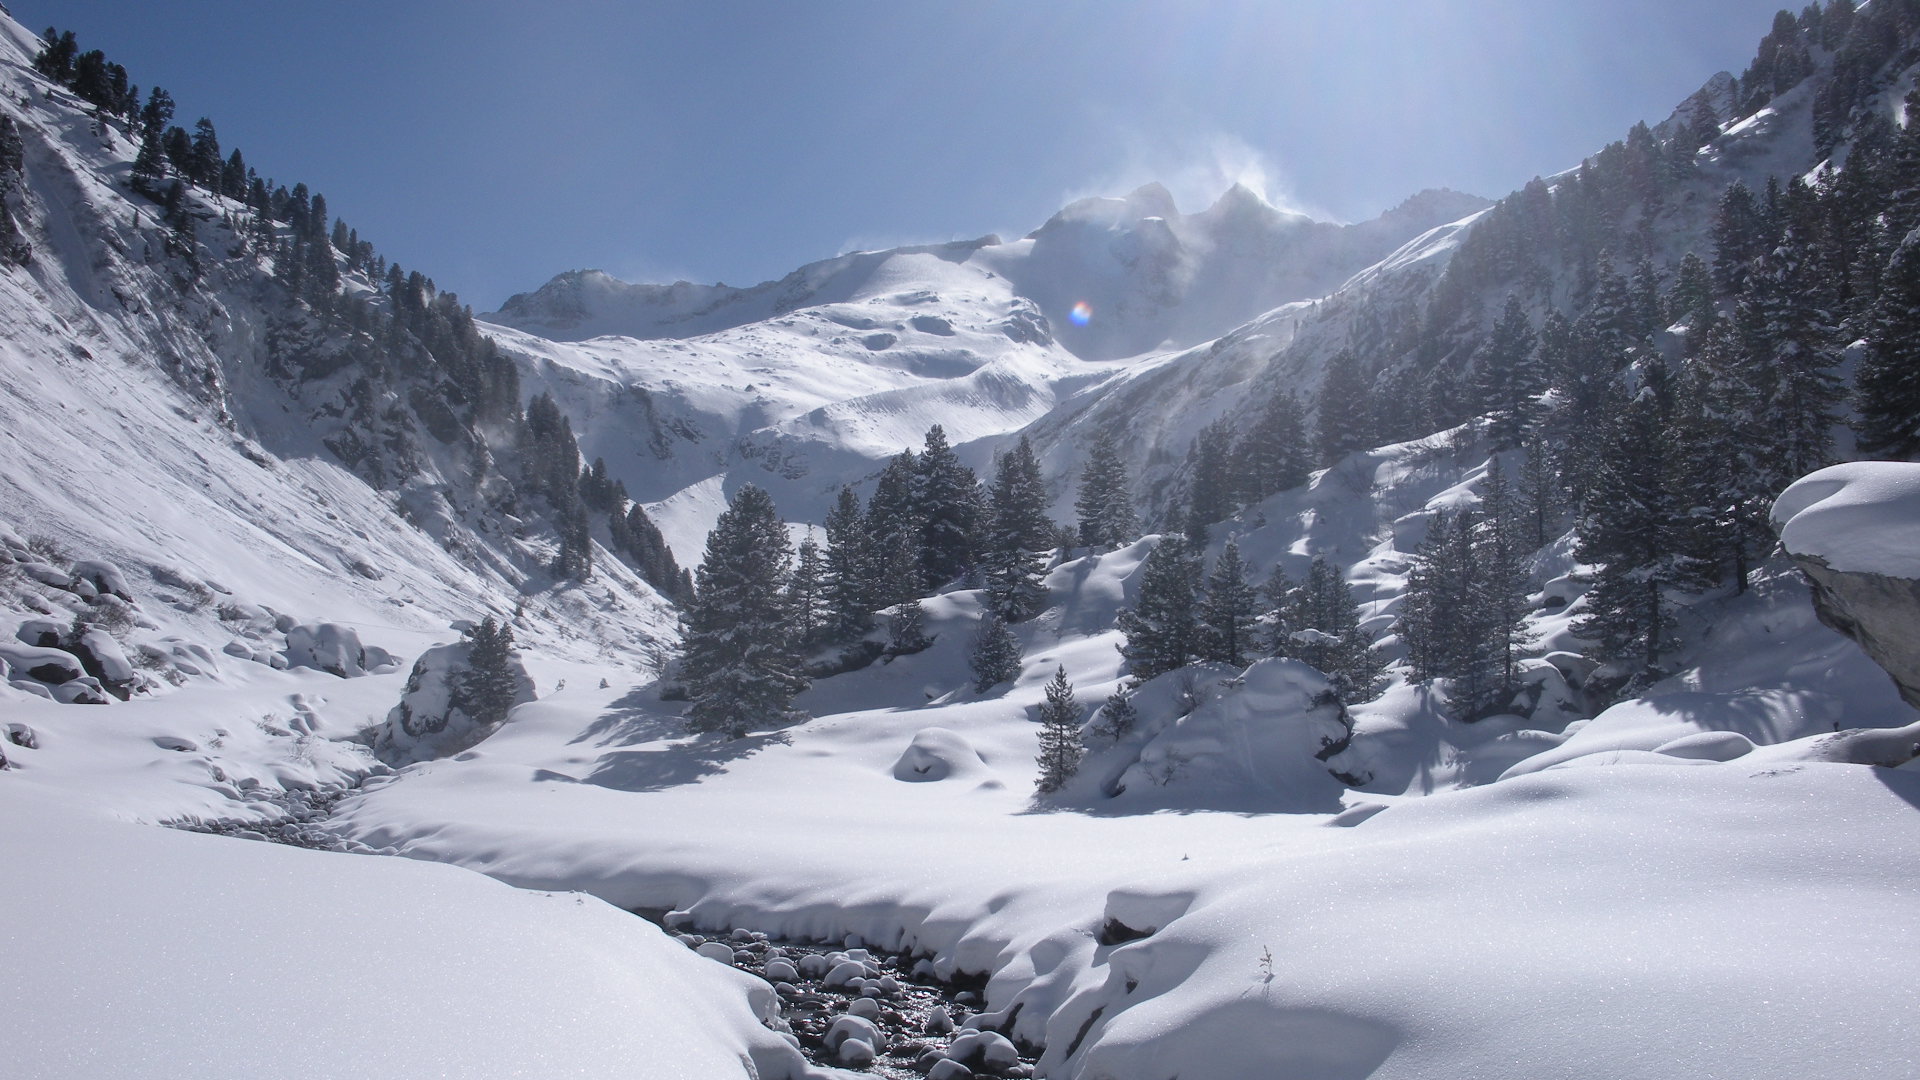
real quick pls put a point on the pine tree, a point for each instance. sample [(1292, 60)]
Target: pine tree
[(806, 594), (1162, 627), (1508, 380), (1210, 495), (893, 532), (1018, 535), (1633, 527), (1324, 625), (737, 650), (1060, 748), (995, 654), (946, 504), (1277, 591), (1230, 611), (488, 686), (1105, 506), (848, 591), (1343, 419), (1273, 455), (1722, 446), (1887, 384), (1117, 717), (906, 629)]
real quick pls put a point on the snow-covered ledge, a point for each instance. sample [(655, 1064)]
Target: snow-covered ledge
[(1854, 531)]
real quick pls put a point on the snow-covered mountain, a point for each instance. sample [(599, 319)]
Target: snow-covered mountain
[(236, 507)]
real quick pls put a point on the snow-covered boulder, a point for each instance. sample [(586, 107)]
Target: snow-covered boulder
[(432, 719), (1854, 532), (50, 666), (327, 647), (937, 753), (103, 658), (1257, 740), (103, 577)]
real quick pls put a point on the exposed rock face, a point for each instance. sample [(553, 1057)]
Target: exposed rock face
[(1881, 613)]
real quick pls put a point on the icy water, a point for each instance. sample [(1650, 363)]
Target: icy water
[(918, 1017)]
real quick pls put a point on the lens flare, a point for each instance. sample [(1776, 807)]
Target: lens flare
[(1082, 314)]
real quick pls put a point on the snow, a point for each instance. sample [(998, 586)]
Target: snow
[(140, 953), (1708, 880), (1861, 516)]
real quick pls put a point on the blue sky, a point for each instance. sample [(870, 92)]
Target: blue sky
[(492, 144)]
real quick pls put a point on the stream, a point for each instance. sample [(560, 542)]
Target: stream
[(863, 1008)]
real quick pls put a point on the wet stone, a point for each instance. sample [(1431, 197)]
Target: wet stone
[(831, 995)]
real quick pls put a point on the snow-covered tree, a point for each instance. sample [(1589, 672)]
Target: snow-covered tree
[(1018, 535), (1060, 748), (1343, 421), (1230, 611), (1887, 384), (1273, 455), (806, 594), (995, 654), (486, 689), (1508, 379), (947, 504), (1105, 505), (847, 586), (1323, 624), (1162, 628), (738, 650), (906, 631), (1633, 527)]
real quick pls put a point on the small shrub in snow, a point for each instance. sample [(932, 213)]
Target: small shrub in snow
[(49, 549)]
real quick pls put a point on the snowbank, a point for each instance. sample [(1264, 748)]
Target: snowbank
[(135, 952)]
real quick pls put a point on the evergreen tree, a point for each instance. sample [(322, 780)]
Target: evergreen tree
[(486, 689), (1633, 527), (906, 629), (1117, 717), (737, 650), (207, 161), (1342, 422), (1507, 378), (1162, 627), (1018, 535), (1277, 591), (1105, 506), (1722, 444), (1887, 384), (1060, 749), (946, 504), (995, 654), (848, 591), (1539, 491), (893, 530), (1324, 631), (1230, 611), (1273, 456), (1210, 495), (806, 594)]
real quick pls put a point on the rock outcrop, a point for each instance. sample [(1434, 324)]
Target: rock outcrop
[(1854, 532)]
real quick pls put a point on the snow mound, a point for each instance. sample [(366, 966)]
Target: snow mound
[(1861, 516), (332, 648), (1211, 737), (937, 753)]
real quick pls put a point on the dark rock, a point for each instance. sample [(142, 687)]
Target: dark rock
[(1880, 613)]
